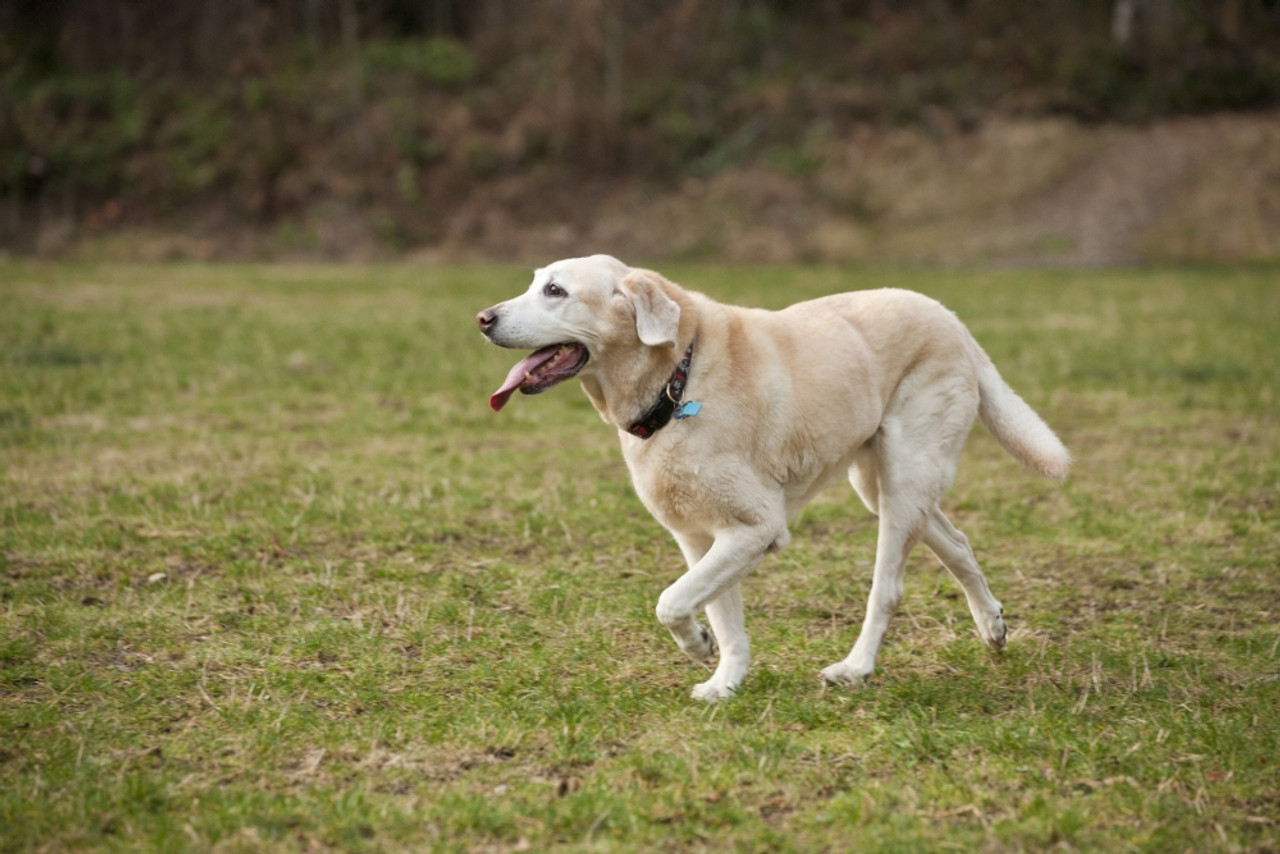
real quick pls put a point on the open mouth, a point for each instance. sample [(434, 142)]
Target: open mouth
[(540, 370)]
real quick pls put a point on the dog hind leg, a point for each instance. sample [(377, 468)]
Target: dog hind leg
[(899, 475), (952, 548), (901, 527)]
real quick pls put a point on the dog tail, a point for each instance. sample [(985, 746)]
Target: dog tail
[(1017, 427)]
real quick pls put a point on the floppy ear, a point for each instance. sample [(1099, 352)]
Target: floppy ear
[(657, 315)]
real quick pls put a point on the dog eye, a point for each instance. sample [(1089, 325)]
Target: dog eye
[(551, 289)]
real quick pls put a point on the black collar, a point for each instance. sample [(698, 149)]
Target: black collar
[(659, 415)]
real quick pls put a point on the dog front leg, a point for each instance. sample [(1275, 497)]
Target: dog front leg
[(712, 582), (725, 613), (695, 641)]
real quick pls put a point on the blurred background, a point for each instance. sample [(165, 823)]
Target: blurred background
[(969, 132)]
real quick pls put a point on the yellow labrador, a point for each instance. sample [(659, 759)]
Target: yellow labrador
[(732, 419)]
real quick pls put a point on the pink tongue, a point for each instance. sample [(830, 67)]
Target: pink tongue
[(516, 376)]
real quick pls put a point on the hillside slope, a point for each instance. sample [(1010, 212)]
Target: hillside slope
[(947, 132), (1012, 192)]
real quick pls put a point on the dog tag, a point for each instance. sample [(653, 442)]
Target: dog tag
[(688, 409)]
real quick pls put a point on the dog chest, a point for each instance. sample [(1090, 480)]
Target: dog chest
[(694, 492)]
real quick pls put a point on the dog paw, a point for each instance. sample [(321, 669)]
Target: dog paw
[(713, 691), (844, 673), (704, 651), (996, 633)]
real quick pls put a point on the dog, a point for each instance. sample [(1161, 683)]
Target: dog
[(732, 419)]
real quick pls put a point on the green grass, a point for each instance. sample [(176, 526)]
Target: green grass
[(273, 577)]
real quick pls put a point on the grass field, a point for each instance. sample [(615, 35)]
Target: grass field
[(273, 577)]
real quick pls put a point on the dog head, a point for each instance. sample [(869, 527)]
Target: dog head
[(574, 312)]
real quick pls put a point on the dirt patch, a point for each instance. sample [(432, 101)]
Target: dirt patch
[(1104, 210)]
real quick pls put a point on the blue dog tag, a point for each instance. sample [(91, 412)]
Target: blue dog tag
[(688, 409)]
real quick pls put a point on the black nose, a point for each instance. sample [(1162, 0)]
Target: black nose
[(486, 319)]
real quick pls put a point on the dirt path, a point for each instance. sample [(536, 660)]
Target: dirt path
[(1103, 208)]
